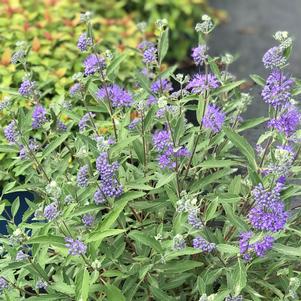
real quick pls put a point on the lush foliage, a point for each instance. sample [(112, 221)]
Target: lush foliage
[(133, 201)]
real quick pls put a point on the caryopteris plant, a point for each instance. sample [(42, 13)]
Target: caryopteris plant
[(132, 201)]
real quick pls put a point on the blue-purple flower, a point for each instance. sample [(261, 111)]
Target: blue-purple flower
[(110, 187), (179, 242), (288, 122), (82, 176), (269, 213), (11, 133), (199, 55), (88, 219), (75, 246), (84, 42), (117, 95), (83, 123), (27, 88), (38, 116), (274, 58), (3, 284), (202, 83), (202, 244), (75, 90), (94, 63), (277, 90), (258, 248), (213, 119), (51, 211)]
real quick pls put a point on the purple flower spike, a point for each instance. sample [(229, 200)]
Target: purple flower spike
[(38, 116), (213, 118), (201, 243), (277, 90), (82, 176), (201, 83), (75, 246), (84, 42), (199, 55), (10, 132), (274, 58), (94, 63), (118, 96)]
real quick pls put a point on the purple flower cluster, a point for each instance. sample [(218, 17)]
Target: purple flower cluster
[(84, 42), (11, 133), (259, 248), (213, 119), (94, 63), (33, 146), (194, 220), (161, 86), (88, 219), (82, 176), (134, 123), (199, 54), (277, 90), (201, 243), (268, 213), (83, 123), (99, 197), (163, 144), (20, 256), (3, 284), (288, 122), (75, 89), (274, 58), (110, 187), (51, 211), (38, 116), (41, 284), (61, 126), (202, 83), (179, 242), (149, 52), (118, 96), (237, 298), (75, 246), (27, 88)]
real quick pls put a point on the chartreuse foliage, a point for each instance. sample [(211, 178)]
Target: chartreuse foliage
[(133, 201)]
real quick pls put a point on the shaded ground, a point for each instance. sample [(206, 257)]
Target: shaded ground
[(249, 32)]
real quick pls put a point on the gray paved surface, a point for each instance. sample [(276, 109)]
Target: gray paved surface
[(249, 34)]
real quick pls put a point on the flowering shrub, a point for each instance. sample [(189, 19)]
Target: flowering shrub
[(134, 202)]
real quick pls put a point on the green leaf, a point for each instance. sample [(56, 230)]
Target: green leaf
[(203, 182), (146, 239), (211, 209), (258, 80), (242, 144), (165, 180), (50, 239), (227, 87), (179, 266), (160, 295), (239, 277), (218, 163), (119, 205), (228, 249), (163, 45), (82, 285), (114, 65), (248, 124), (100, 235), (286, 250), (234, 219), (54, 144), (114, 293), (9, 149)]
